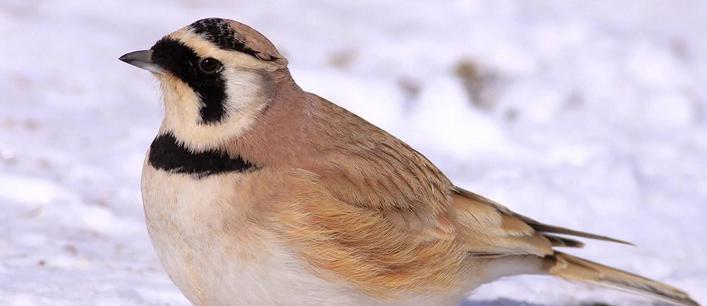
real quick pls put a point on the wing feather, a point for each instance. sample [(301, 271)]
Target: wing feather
[(369, 209)]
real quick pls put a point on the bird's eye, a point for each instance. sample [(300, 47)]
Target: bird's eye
[(210, 65)]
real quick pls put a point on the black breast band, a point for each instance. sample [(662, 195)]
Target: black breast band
[(169, 155)]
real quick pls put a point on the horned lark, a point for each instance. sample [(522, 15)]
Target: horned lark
[(259, 193)]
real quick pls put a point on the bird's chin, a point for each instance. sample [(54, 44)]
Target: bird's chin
[(154, 69)]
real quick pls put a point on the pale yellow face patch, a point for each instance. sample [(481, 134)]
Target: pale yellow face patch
[(248, 91)]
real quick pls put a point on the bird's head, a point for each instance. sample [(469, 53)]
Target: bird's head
[(216, 75)]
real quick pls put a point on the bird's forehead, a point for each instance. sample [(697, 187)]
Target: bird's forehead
[(195, 42)]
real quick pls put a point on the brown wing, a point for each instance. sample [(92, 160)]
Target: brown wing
[(375, 219), (371, 248), (368, 209)]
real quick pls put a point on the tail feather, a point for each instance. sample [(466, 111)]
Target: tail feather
[(577, 269), (558, 241), (545, 228)]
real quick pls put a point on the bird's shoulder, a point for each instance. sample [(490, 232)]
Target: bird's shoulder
[(365, 166)]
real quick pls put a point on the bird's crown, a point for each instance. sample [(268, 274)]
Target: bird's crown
[(233, 35)]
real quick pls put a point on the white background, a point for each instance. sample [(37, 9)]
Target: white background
[(594, 117)]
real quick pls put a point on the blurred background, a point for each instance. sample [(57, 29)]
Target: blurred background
[(586, 114)]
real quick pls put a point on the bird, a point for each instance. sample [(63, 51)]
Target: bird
[(256, 192)]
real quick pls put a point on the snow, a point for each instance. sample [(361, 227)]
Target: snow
[(586, 114)]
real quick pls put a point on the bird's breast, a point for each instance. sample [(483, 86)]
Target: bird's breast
[(199, 220), (198, 230), (217, 252)]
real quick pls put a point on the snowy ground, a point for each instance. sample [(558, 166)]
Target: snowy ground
[(587, 114)]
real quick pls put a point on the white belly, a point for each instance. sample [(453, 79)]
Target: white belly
[(214, 254), (217, 256)]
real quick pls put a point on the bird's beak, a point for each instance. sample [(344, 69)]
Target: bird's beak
[(142, 59)]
